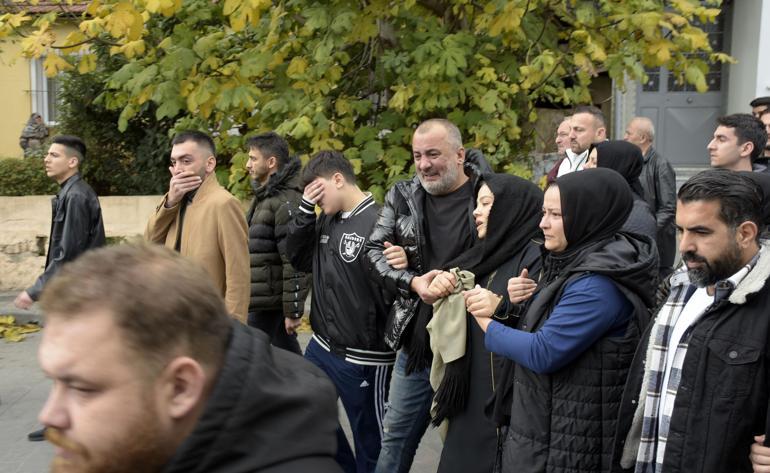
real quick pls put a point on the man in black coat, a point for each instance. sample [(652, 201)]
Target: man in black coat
[(76, 220), (658, 180), (425, 223), (150, 375), (696, 394)]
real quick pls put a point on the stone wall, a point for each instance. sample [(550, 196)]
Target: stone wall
[(25, 223)]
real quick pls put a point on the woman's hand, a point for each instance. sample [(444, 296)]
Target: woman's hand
[(481, 302), (521, 288)]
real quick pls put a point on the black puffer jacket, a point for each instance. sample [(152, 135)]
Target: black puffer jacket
[(275, 284), (565, 421), (270, 412), (76, 226), (401, 223)]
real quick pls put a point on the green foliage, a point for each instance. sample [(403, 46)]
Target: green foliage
[(25, 177), (358, 76), (128, 162)]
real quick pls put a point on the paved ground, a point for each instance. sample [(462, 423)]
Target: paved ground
[(23, 390)]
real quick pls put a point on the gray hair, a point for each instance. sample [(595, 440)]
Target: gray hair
[(454, 137)]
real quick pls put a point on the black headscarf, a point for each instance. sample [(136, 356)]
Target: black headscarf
[(513, 222), (625, 158), (595, 204)]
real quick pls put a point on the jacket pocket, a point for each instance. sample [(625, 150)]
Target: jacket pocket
[(737, 365)]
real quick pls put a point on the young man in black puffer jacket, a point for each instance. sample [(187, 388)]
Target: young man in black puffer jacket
[(278, 291)]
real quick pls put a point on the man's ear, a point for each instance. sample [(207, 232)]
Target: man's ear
[(460, 155), (272, 162), (601, 133), (211, 163), (182, 385), (747, 148), (338, 180), (746, 233), (73, 162)]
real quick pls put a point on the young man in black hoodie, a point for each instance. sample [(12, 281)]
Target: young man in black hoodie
[(348, 310), (151, 375)]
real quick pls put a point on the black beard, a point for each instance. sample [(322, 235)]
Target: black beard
[(713, 271)]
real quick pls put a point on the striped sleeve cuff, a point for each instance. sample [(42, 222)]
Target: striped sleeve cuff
[(307, 206)]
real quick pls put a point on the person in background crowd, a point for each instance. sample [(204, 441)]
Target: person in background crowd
[(278, 290), (576, 338), (201, 220), (33, 134), (76, 219), (587, 126), (697, 390), (429, 218), (562, 148), (764, 160), (150, 375), (626, 159), (658, 181), (738, 141), (759, 106), (349, 310), (507, 216)]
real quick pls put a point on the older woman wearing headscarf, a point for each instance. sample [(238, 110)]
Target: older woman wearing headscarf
[(582, 321)]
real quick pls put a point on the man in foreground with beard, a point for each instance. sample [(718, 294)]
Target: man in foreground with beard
[(150, 375), (697, 393)]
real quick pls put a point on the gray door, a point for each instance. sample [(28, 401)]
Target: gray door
[(685, 119)]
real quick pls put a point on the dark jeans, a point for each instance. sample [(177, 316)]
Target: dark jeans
[(406, 417), (272, 323)]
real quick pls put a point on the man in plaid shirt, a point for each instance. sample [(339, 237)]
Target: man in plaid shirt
[(697, 393)]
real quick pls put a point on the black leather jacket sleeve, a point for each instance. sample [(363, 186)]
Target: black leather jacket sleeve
[(385, 230), (666, 194), (73, 228)]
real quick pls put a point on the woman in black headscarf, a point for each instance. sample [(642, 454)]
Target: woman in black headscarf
[(507, 215), (626, 158), (583, 317)]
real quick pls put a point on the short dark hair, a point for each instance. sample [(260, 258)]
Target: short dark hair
[(747, 128), (595, 112), (740, 198), (270, 144), (74, 144), (201, 139), (162, 302), (759, 101), (325, 164)]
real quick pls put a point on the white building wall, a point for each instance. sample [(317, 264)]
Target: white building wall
[(750, 46)]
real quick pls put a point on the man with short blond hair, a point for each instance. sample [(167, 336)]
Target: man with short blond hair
[(658, 181), (150, 375)]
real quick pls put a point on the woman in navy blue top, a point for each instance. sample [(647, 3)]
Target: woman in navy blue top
[(581, 320)]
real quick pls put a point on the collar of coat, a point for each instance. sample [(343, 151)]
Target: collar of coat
[(751, 284)]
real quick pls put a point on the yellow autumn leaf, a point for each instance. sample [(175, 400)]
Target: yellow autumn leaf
[(87, 63), (54, 64)]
